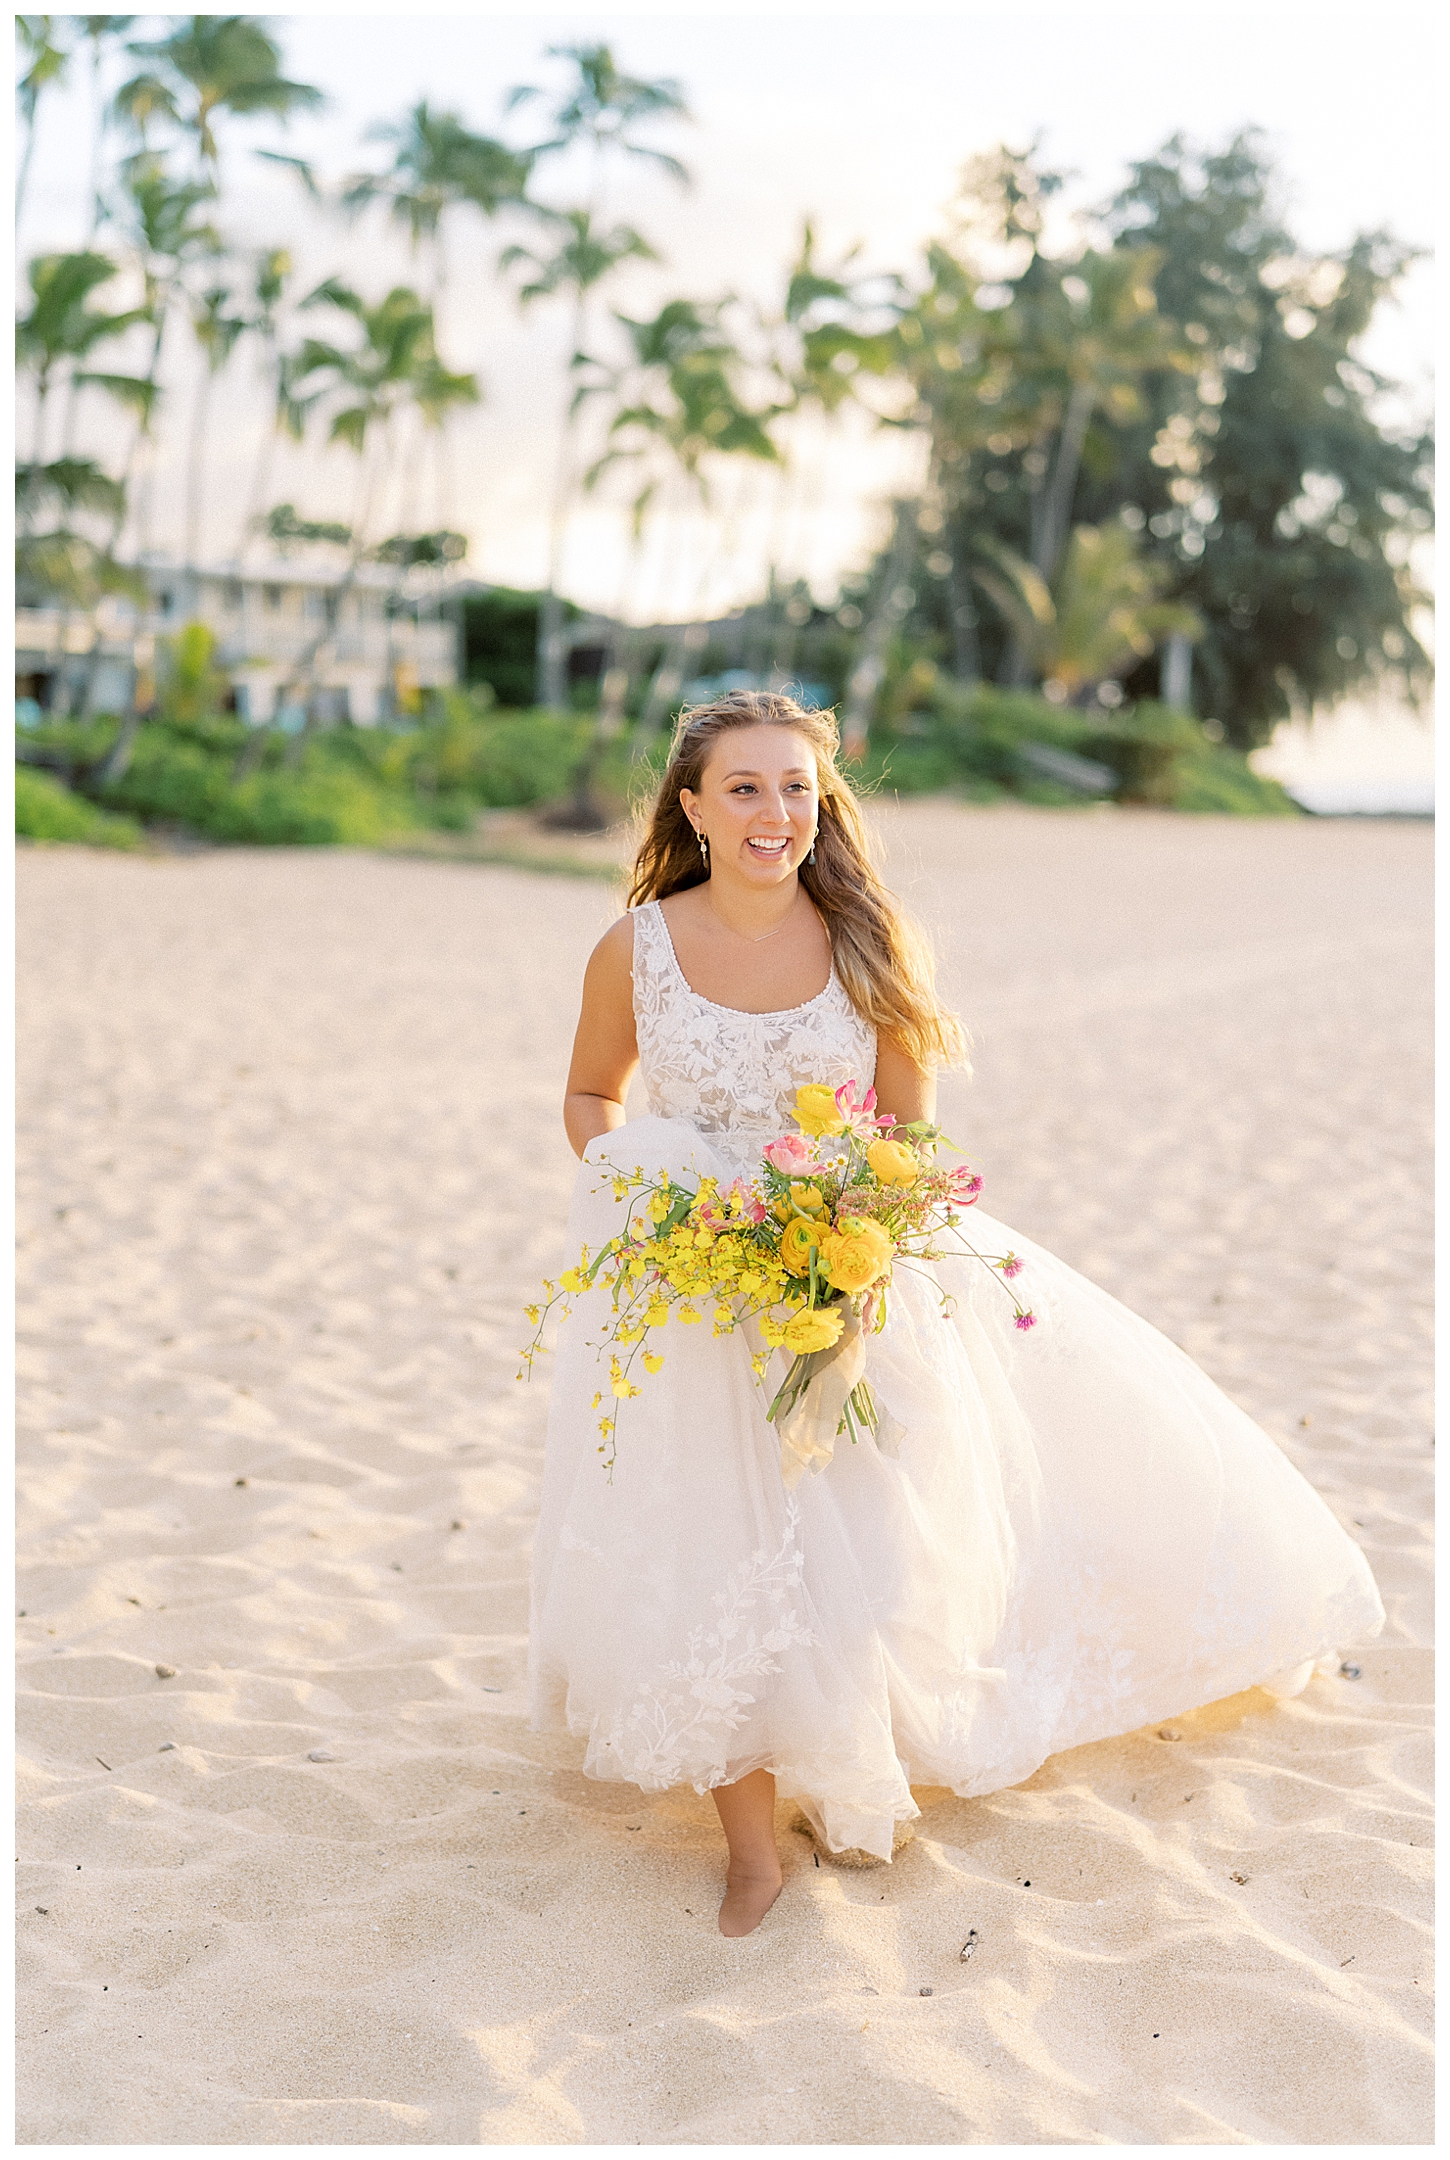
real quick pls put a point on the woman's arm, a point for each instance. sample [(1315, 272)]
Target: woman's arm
[(605, 1054), (903, 1090)]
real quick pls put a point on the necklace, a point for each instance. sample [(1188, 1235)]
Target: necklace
[(753, 940)]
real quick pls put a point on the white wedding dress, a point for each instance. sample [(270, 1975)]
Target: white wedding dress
[(1076, 1534)]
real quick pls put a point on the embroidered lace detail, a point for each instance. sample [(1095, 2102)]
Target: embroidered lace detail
[(680, 1726), (733, 1075)]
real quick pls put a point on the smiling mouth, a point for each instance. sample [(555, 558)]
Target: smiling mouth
[(768, 850)]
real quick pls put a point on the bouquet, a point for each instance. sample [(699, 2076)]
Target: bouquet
[(802, 1254)]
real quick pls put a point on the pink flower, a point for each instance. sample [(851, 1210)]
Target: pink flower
[(1025, 1320), (965, 1185), (858, 1113), (1011, 1266), (790, 1155), (750, 1206)]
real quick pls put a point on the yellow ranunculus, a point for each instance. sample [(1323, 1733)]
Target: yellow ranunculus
[(893, 1162), (856, 1255), (817, 1330), (817, 1112), (796, 1241), (807, 1199)]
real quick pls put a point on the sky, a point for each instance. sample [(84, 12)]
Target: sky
[(859, 120)]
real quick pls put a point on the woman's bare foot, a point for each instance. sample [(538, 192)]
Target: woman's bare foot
[(753, 1879), (748, 1898)]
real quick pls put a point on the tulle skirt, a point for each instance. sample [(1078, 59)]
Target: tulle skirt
[(1075, 1533)]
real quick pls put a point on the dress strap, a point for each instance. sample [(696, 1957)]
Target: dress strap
[(650, 961)]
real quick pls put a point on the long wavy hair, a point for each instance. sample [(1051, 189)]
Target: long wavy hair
[(882, 958)]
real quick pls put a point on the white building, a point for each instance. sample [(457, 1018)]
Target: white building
[(352, 648)]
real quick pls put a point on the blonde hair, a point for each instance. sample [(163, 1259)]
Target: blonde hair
[(882, 958)]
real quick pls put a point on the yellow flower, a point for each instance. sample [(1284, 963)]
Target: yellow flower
[(807, 1199), (571, 1279), (856, 1255), (816, 1111), (814, 1330), (893, 1162), (652, 1361), (658, 1313), (796, 1241), (688, 1313)]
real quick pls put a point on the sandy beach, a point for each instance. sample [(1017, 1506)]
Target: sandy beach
[(290, 1163)]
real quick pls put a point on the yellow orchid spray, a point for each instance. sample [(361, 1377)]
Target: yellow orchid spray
[(802, 1254)]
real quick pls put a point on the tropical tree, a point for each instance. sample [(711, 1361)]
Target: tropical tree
[(1107, 614), (271, 275), (585, 257), (367, 390), (160, 217), (216, 331), (1274, 480), (438, 165), (61, 329), (599, 112), (44, 57), (100, 33), (680, 405), (601, 108), (209, 65)]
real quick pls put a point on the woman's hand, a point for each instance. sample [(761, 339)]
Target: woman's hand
[(606, 1056), (903, 1090)]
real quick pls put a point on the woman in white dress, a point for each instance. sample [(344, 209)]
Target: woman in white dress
[(1070, 1532)]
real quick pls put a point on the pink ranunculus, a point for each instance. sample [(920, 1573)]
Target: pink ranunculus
[(790, 1155)]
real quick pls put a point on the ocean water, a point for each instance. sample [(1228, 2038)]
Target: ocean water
[(1362, 759)]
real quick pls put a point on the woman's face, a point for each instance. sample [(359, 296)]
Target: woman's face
[(757, 804)]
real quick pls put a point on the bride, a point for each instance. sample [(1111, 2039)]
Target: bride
[(1070, 1533)]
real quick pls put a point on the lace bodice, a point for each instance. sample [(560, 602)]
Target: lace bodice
[(733, 1075)]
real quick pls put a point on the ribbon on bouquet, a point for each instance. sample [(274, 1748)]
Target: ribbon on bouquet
[(824, 1394)]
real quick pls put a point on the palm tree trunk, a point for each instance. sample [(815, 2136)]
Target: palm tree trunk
[(866, 675), (551, 687), (1061, 488), (196, 466)]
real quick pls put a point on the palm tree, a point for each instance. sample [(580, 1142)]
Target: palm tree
[(1110, 337), (438, 164), (212, 64), (45, 64), (61, 329), (216, 333), (271, 273), (585, 257), (1106, 614), (99, 31), (600, 111), (678, 403), (168, 235), (369, 387), (602, 108)]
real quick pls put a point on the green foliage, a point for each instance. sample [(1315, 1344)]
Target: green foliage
[(500, 641), (45, 809), (973, 742), (1195, 380)]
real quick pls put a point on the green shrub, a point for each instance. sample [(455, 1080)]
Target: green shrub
[(45, 809), (173, 778)]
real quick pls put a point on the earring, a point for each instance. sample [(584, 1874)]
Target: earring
[(704, 847)]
